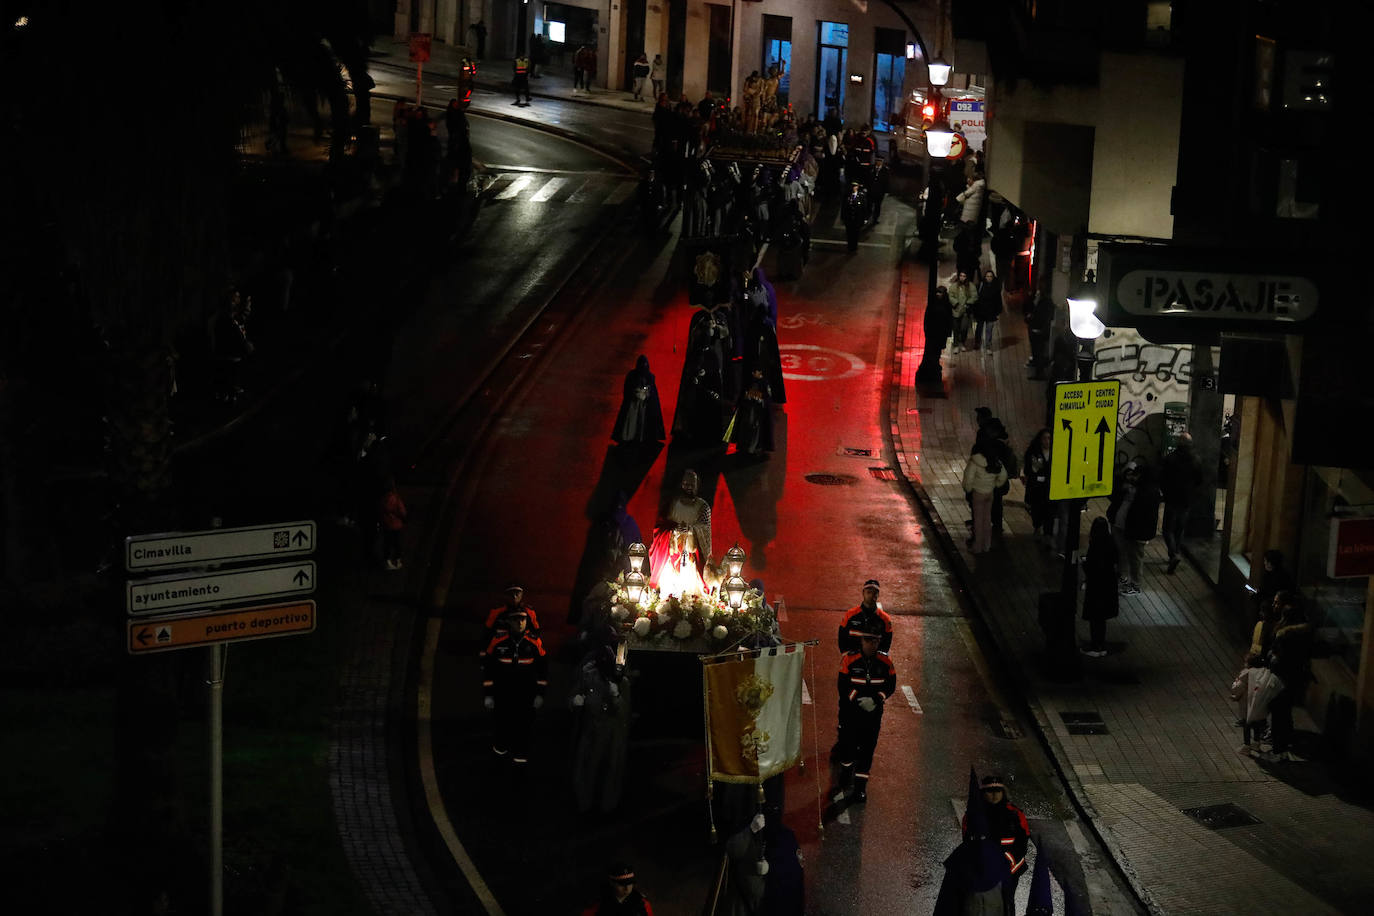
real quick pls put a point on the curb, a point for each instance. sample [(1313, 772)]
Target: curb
[(963, 577)]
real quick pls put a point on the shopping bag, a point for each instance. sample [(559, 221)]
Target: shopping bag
[(1239, 687), (1265, 685)]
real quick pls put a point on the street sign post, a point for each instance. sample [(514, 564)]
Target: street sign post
[(187, 631), (218, 545), (1083, 451), (164, 594)]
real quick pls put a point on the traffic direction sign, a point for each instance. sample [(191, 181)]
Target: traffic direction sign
[(1082, 454), (186, 631), (218, 545), (164, 594)]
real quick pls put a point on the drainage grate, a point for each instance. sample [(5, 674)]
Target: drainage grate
[(1083, 723), (851, 452), (831, 480), (1219, 817), (883, 473)]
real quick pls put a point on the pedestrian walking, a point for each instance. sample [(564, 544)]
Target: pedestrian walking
[(1035, 474), (515, 675), (392, 513), (865, 681), (987, 307), (520, 80), (976, 870), (1180, 476), (983, 474), (459, 147), (640, 419), (1007, 825), (601, 707), (1290, 659), (1134, 514), (620, 896), (658, 74), (962, 295), (580, 68), (639, 71), (991, 428), (1100, 592), (937, 324), (1039, 322), (498, 617)]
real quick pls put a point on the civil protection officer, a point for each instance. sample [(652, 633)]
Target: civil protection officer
[(1007, 824), (866, 679), (866, 617), (515, 602), (521, 82), (515, 675)]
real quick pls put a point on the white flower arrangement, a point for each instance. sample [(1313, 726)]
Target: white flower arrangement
[(619, 612), (683, 629), (719, 631), (641, 627)]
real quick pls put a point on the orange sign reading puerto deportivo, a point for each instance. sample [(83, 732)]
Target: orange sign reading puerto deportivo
[(186, 631)]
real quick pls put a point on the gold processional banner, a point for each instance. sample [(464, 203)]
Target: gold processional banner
[(754, 709)]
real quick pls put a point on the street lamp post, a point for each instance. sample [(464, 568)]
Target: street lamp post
[(1086, 328), (938, 139)]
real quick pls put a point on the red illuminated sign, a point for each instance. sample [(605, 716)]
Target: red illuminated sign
[(1351, 549)]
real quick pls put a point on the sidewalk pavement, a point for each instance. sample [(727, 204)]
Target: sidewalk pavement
[(1166, 744)]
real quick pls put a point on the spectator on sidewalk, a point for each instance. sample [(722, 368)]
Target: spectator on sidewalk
[(1100, 600), (580, 68), (986, 308), (1035, 474), (992, 428), (1180, 476), (400, 131), (972, 199), (937, 324), (479, 32), (539, 55), (1039, 321), (1261, 643), (658, 73), (983, 475), (1134, 514), (619, 896), (1290, 659), (962, 295), (640, 71), (1274, 579), (392, 512)]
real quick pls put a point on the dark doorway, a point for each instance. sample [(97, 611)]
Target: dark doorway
[(718, 51), (677, 46), (634, 37)]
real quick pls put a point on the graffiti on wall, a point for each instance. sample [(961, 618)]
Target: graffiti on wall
[(1151, 374)]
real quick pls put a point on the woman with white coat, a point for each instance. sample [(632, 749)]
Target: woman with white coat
[(983, 474)]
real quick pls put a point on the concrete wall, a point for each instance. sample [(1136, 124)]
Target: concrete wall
[(1135, 159)]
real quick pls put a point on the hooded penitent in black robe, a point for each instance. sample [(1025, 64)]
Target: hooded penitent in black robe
[(641, 416)]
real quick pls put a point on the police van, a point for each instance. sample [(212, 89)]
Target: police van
[(965, 110)]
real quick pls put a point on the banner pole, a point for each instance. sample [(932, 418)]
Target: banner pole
[(816, 745), (706, 718)]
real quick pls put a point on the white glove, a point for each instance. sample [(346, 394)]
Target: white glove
[(867, 704), (538, 702), (579, 700), (614, 689), (489, 702), (756, 824), (762, 866)]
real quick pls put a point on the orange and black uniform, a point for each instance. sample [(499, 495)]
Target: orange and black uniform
[(862, 676), (860, 620), (515, 670), (521, 66), (1008, 826)]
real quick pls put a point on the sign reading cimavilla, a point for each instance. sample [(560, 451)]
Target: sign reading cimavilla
[(218, 545), (214, 583)]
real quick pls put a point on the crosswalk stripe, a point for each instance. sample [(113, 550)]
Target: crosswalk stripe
[(514, 188), (550, 188), (584, 191), (622, 191)]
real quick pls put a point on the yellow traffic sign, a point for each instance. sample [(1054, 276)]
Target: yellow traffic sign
[(1083, 452), (186, 631)]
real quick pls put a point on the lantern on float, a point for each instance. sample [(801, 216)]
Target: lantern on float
[(637, 553), (734, 561), (634, 587), (734, 588)]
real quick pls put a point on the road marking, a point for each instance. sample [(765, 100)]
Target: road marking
[(622, 191), (584, 191), (911, 699), (806, 695), (550, 188), (429, 778), (515, 188), (810, 363)]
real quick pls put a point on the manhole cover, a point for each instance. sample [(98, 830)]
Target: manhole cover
[(1219, 817), (882, 473), (1083, 723), (830, 480), (1072, 718)]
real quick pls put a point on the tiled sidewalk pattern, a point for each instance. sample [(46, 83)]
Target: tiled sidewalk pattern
[(1170, 741)]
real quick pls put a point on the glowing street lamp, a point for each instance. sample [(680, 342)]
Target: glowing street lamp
[(1083, 320), (734, 588), (734, 561), (939, 71), (637, 553), (634, 587)]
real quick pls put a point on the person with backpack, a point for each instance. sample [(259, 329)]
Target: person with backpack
[(983, 475)]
